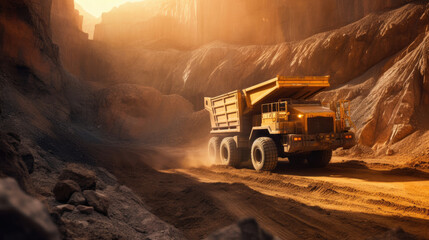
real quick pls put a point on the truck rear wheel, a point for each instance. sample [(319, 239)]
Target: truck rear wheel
[(319, 159), (229, 154), (264, 154), (213, 150)]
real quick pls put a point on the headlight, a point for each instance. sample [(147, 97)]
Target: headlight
[(348, 136)]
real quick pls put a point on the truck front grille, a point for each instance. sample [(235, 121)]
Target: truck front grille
[(320, 125)]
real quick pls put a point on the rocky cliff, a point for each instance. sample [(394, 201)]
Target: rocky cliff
[(359, 56), (47, 120), (66, 24), (89, 21), (184, 23)]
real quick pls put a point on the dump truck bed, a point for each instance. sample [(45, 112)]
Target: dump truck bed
[(227, 110), (284, 87)]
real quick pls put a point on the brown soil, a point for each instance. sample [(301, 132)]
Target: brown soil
[(348, 200)]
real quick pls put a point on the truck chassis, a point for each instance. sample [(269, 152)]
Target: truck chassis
[(275, 119)]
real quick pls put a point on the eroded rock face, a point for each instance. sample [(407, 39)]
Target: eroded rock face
[(11, 163), (364, 58), (135, 112), (67, 32), (25, 38), (89, 21), (385, 103), (21, 216), (99, 201), (64, 189), (371, 54), (85, 178), (185, 23), (216, 68)]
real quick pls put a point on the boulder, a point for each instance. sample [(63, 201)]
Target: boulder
[(64, 189), (390, 152), (98, 200), (77, 198), (244, 229), (60, 209), (11, 165), (85, 178), (23, 217), (85, 209)]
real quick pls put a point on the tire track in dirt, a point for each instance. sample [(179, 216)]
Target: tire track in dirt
[(371, 196), (291, 204)]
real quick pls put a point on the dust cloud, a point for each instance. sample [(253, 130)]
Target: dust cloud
[(189, 156)]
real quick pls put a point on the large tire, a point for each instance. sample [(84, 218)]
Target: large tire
[(319, 159), (264, 154), (229, 154), (213, 150)]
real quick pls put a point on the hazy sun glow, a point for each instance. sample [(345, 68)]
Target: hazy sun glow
[(97, 7)]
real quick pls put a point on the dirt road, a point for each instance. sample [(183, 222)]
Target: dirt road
[(347, 200)]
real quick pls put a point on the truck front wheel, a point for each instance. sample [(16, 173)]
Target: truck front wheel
[(264, 154), (319, 159), (229, 154), (213, 150)]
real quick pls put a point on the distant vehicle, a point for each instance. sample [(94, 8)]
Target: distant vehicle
[(275, 119)]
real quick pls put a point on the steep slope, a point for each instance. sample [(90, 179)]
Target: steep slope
[(91, 62), (184, 23), (32, 79), (370, 48), (47, 122), (89, 21), (391, 101)]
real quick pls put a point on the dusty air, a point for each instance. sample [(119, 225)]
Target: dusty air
[(214, 119)]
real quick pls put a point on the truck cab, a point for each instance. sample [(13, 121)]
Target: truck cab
[(249, 123)]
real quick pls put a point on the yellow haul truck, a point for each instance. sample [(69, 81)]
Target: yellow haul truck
[(275, 119)]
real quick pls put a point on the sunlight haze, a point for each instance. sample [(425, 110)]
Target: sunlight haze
[(97, 7)]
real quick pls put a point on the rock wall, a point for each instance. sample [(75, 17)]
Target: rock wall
[(391, 100), (89, 21), (66, 25), (47, 114), (184, 23), (25, 40), (350, 53), (366, 48)]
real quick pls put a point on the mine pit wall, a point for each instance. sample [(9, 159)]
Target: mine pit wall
[(197, 22), (210, 69), (390, 103), (25, 42), (66, 24)]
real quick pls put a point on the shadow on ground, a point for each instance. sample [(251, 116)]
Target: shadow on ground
[(200, 208)]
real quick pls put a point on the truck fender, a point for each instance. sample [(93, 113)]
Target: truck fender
[(259, 132)]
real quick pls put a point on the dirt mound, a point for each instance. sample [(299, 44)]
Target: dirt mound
[(135, 112)]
